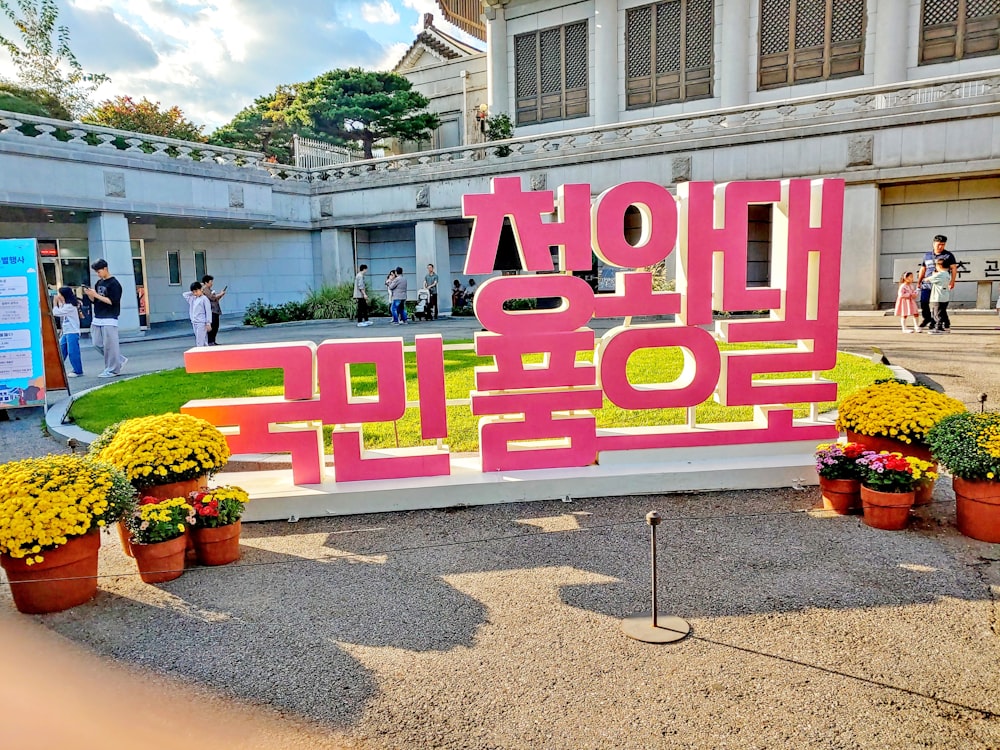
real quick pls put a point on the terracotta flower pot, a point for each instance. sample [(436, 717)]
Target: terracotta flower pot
[(175, 489), (840, 495), (879, 443), (977, 508), (161, 561), (125, 537), (65, 578), (924, 493), (886, 510), (218, 546)]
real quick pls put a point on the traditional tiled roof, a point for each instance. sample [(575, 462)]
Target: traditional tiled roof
[(435, 42), (466, 15)]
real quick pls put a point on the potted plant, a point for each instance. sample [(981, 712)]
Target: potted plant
[(968, 446), (167, 455), (895, 416), (839, 477), (217, 526), (925, 474), (158, 530), (887, 489), (51, 509)]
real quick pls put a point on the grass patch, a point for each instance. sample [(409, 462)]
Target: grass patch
[(167, 391)]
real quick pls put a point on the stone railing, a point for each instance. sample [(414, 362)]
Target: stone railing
[(934, 93), (15, 126), (881, 101)]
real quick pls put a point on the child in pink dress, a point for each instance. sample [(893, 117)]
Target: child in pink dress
[(906, 307)]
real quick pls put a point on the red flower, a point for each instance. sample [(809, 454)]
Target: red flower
[(149, 500)]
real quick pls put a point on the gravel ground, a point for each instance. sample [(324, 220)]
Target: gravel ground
[(499, 626)]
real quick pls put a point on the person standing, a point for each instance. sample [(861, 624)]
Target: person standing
[(397, 291), (200, 313), (905, 307), (361, 296), (66, 307), (106, 297), (207, 282), (431, 285), (941, 285), (938, 250)]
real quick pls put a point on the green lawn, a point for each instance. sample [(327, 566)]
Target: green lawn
[(169, 390)]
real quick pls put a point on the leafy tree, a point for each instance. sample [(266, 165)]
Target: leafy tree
[(31, 102), (44, 60), (360, 106), (124, 113), (500, 128), (263, 126)]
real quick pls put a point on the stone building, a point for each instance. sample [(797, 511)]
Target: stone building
[(901, 98)]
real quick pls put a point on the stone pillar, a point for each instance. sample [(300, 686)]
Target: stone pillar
[(734, 62), (108, 238), (431, 239), (859, 260), (891, 30), (336, 256), (605, 62), (498, 97)]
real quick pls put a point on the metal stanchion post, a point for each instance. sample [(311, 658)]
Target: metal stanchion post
[(653, 627)]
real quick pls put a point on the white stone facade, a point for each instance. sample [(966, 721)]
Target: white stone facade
[(918, 146)]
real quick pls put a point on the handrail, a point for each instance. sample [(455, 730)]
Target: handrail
[(882, 99)]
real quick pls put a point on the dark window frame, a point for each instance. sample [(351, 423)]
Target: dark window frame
[(173, 268), (792, 66), (960, 39), (687, 83), (538, 106)]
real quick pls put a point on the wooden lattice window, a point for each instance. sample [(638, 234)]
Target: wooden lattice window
[(550, 72), (810, 40), (954, 29), (668, 52)]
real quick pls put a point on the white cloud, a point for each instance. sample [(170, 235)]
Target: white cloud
[(393, 54), (382, 13), (422, 6)]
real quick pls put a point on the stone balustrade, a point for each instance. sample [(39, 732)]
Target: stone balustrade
[(937, 93)]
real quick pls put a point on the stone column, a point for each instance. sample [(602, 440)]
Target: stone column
[(108, 238), (892, 34), (734, 59), (336, 255), (859, 260), (605, 62), (498, 96), (431, 239)]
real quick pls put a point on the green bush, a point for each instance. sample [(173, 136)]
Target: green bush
[(336, 301), (260, 313)]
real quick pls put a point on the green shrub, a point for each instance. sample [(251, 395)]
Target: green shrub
[(520, 304), (336, 301), (260, 313)]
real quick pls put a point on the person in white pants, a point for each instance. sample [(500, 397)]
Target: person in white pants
[(200, 312)]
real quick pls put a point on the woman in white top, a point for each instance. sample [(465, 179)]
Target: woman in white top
[(67, 308)]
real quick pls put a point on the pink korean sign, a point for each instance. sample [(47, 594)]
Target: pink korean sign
[(542, 415)]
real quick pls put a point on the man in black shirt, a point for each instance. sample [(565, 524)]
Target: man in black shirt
[(938, 252), (106, 297)]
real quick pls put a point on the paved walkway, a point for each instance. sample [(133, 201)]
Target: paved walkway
[(498, 626)]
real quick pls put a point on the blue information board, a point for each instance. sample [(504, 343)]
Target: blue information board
[(22, 360)]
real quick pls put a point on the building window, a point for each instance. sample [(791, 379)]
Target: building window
[(200, 266), (955, 29), (810, 40), (173, 268), (550, 72), (668, 52)]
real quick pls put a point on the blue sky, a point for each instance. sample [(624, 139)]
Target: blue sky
[(213, 57)]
